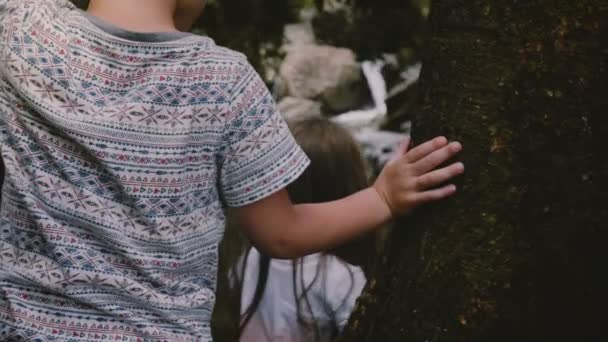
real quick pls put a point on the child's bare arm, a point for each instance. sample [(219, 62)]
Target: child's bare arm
[(284, 230)]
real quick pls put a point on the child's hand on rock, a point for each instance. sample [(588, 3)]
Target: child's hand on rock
[(410, 178)]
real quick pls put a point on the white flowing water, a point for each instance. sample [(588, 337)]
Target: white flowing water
[(369, 118), (378, 145)]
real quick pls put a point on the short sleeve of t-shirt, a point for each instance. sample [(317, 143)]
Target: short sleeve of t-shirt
[(14, 14), (8, 12), (5, 5), (259, 156)]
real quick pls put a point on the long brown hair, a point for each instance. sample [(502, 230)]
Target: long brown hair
[(337, 170)]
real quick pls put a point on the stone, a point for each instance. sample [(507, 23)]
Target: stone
[(293, 108), (324, 73), (374, 116), (298, 34), (332, 6)]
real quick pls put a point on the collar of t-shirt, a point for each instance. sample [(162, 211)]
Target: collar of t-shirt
[(148, 37)]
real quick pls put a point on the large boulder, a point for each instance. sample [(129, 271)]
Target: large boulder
[(324, 73)]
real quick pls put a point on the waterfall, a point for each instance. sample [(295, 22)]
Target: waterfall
[(371, 117), (378, 145)]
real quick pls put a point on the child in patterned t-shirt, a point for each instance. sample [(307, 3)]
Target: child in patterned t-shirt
[(122, 140)]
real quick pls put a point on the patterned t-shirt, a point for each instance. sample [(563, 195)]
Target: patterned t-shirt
[(121, 151)]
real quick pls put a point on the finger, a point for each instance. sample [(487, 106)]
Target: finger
[(436, 158), (437, 177), (435, 194), (403, 147), (425, 149)]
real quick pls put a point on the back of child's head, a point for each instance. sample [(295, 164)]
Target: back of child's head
[(337, 169)]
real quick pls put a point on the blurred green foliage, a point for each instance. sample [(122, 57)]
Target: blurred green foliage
[(369, 27), (373, 27), (246, 25)]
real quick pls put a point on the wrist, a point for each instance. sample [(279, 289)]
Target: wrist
[(384, 208)]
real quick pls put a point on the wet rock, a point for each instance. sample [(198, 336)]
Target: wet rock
[(374, 115), (332, 6), (294, 108), (325, 73), (298, 34)]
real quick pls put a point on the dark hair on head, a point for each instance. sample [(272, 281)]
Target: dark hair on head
[(337, 170)]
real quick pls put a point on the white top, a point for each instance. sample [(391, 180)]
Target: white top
[(276, 319)]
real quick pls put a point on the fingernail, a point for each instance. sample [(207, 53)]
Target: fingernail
[(456, 146), (441, 141)]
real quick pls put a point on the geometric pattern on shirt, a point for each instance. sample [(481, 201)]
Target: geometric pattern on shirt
[(120, 158)]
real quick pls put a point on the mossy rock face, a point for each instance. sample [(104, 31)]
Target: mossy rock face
[(518, 254)]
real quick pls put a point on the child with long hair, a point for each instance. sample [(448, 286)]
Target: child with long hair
[(310, 298)]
